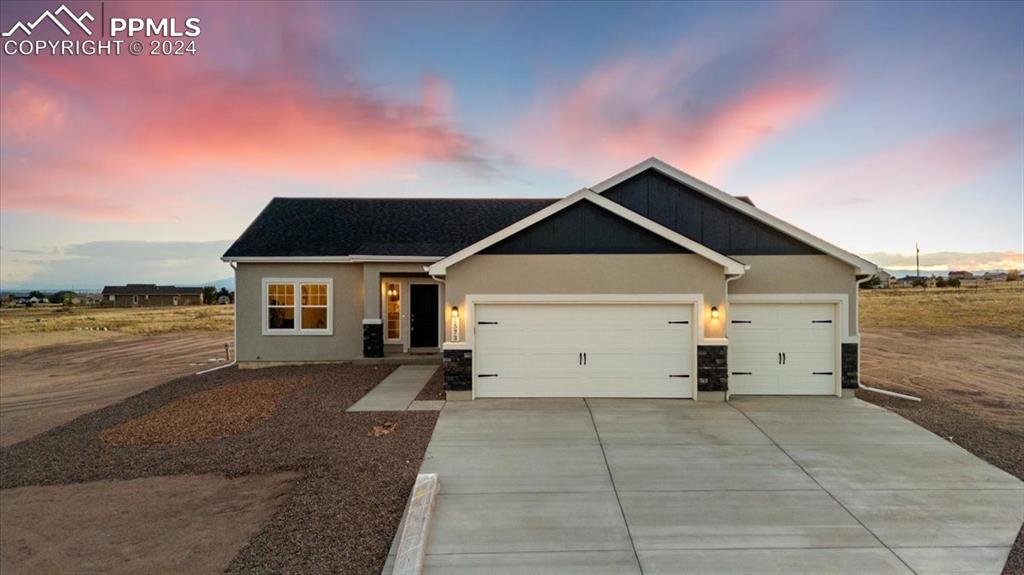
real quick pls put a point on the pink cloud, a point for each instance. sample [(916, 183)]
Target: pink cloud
[(925, 167), (704, 104), (30, 110), (136, 134)]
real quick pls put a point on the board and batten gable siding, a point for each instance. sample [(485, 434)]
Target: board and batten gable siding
[(584, 228), (587, 274), (811, 274), (701, 218), (346, 341)]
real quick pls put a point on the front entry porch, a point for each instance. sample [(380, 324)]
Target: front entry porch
[(403, 318)]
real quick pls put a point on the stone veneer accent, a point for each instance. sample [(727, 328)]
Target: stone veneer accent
[(373, 340), (712, 367), (458, 369), (849, 366)]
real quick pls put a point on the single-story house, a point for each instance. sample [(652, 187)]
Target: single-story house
[(150, 295), (651, 283), (960, 275)]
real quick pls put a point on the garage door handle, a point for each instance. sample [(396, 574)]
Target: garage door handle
[(742, 373), (821, 321), (741, 321), (487, 323), (581, 358), (783, 358), (487, 375), (584, 358), (679, 375), (683, 322), (821, 373)]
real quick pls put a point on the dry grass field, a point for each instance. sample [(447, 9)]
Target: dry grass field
[(998, 307), (24, 329)]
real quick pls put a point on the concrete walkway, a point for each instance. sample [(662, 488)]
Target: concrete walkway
[(398, 391), (766, 485)]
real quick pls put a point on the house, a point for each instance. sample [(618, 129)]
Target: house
[(908, 281), (885, 279), (651, 283), (960, 275), (150, 295), (994, 276)]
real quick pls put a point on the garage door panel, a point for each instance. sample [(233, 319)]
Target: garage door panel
[(754, 384), (800, 361), (752, 360), (754, 337), (533, 349), (804, 384), (805, 333)]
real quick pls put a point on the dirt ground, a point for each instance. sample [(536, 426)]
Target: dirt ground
[(182, 524), (46, 387), (341, 512), (976, 372)]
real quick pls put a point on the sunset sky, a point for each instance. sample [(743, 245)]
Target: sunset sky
[(874, 126)]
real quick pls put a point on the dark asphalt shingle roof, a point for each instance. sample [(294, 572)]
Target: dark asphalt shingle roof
[(312, 227), (151, 289)]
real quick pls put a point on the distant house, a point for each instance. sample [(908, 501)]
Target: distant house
[(885, 279), (994, 276), (960, 275), (907, 281), (150, 295)]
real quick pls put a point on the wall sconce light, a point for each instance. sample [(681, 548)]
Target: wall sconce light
[(455, 324), (714, 312)]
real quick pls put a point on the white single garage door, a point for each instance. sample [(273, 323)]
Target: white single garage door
[(782, 349), (584, 350)]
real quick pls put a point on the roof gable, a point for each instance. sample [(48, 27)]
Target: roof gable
[(679, 207), (745, 233), (584, 228), (730, 265)]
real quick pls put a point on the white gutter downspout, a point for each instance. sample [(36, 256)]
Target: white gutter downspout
[(861, 385), (729, 278), (234, 267)]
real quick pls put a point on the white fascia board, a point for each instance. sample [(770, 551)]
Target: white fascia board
[(731, 266), (332, 259), (861, 265)]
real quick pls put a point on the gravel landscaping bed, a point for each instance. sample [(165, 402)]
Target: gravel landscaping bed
[(434, 389), (1001, 447), (341, 514), (219, 412)]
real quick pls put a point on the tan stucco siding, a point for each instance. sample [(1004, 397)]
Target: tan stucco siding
[(588, 274), (346, 341), (372, 284), (799, 274)]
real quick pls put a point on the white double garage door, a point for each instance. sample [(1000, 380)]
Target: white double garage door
[(647, 349)]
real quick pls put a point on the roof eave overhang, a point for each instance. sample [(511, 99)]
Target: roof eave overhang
[(731, 266), (330, 259), (860, 265)]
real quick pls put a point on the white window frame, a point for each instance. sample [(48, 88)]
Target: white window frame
[(297, 283), (401, 309), (135, 300)]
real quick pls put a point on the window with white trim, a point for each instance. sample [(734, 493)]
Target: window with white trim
[(297, 307)]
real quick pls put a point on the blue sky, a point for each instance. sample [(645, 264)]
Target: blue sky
[(873, 125)]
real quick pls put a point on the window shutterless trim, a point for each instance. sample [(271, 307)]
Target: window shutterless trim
[(297, 306)]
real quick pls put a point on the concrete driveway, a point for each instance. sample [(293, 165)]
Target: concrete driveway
[(765, 485)]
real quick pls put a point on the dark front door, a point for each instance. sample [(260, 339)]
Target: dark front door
[(423, 319)]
